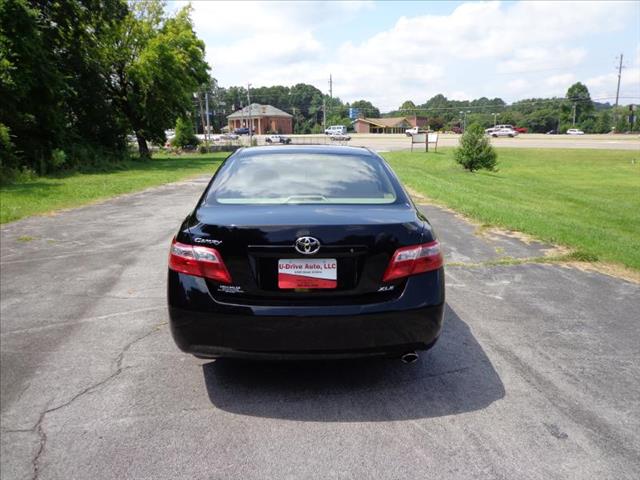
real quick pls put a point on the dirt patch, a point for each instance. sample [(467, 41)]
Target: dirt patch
[(611, 269)]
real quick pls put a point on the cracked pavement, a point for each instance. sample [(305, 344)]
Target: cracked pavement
[(536, 375)]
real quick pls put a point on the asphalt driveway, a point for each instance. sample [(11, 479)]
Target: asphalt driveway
[(536, 376)]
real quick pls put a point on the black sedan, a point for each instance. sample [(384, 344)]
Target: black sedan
[(305, 252)]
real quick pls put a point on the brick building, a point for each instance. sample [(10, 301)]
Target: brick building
[(265, 119)]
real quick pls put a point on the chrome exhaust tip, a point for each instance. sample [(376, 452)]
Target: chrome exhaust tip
[(409, 357)]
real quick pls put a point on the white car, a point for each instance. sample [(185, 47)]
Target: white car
[(229, 136), (340, 137), (574, 131), (336, 130), (413, 130), (278, 139), (488, 131), (503, 132)]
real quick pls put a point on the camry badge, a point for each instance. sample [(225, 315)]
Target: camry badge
[(307, 245), (207, 240)]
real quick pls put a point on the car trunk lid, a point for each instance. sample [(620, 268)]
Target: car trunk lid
[(252, 240)]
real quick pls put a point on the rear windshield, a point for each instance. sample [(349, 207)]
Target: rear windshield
[(302, 178)]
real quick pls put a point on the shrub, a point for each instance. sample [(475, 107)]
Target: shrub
[(8, 159), (475, 150), (184, 134), (58, 159)]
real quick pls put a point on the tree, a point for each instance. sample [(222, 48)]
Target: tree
[(30, 83), (157, 64), (52, 83), (306, 105), (621, 123), (8, 160), (578, 98), (77, 76), (475, 150), (436, 123), (184, 134), (366, 108), (603, 122), (408, 106)]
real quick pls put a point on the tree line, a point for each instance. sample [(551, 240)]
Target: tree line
[(308, 105), (539, 115), (77, 77), (81, 80)]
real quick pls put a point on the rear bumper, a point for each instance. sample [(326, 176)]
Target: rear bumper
[(285, 337), (202, 326)]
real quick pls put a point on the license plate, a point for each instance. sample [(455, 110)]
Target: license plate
[(302, 273)]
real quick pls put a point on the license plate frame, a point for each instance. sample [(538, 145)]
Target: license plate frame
[(303, 273)]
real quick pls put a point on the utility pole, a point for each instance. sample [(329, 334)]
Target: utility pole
[(324, 114), (464, 121), (330, 87), (244, 123), (250, 119), (293, 120), (619, 75), (206, 103), (574, 115), (495, 115)]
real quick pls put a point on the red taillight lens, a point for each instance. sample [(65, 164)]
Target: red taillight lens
[(198, 261), (412, 260)]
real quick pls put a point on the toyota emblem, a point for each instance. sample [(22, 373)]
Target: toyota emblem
[(307, 245)]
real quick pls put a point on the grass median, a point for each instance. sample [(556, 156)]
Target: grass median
[(585, 199), (45, 194)]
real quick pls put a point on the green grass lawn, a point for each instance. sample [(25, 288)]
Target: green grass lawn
[(45, 194), (585, 199)]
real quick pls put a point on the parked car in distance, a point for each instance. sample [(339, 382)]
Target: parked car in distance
[(336, 129), (490, 130), (503, 132), (229, 136), (340, 137), (267, 265), (552, 132), (243, 131), (277, 139), (574, 131), (521, 129), (414, 130)]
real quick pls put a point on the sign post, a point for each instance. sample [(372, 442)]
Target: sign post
[(418, 138)]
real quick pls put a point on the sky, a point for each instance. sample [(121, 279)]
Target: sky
[(389, 52)]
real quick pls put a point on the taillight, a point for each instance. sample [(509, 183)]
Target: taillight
[(414, 259), (198, 261)]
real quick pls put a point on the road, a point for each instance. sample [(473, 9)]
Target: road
[(536, 375), (390, 142)]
